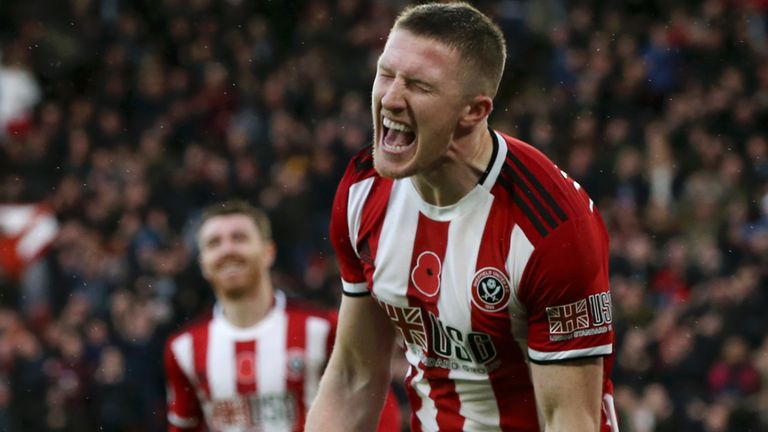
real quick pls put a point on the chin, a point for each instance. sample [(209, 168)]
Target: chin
[(233, 292), (393, 170), (388, 172)]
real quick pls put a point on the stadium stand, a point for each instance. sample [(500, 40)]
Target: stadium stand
[(124, 118)]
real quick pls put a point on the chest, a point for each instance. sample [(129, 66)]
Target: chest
[(457, 271)]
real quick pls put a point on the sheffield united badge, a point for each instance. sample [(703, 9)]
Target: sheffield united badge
[(490, 290)]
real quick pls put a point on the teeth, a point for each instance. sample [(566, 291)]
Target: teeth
[(391, 124), (230, 267)]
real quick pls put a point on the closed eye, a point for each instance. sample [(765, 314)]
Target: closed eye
[(419, 85)]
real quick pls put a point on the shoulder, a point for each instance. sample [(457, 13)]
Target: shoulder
[(361, 186), (545, 195), (300, 309), (360, 167), (197, 325)]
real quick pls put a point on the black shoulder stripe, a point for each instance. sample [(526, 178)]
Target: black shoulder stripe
[(521, 185), (524, 207), (494, 154), (539, 187), (364, 162), (356, 294)]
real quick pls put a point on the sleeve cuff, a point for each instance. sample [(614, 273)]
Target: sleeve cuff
[(555, 356), (181, 422), (354, 289)]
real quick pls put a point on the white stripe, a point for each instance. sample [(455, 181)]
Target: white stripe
[(14, 218), (220, 364), (181, 422), (465, 234), (271, 358), (393, 255), (610, 412), (354, 288), (427, 413), (40, 235), (569, 354), (272, 364), (316, 355), (520, 251), (358, 193), (182, 351), (478, 404)]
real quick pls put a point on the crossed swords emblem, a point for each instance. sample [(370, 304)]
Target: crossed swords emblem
[(490, 290)]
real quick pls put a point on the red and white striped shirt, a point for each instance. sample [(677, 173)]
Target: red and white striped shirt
[(248, 379), (516, 271), (260, 378)]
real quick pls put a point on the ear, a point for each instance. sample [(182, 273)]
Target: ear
[(477, 110), (270, 251), (203, 270)]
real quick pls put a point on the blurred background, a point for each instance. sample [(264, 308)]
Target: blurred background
[(120, 120)]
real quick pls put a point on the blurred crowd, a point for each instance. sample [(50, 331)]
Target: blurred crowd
[(125, 118)]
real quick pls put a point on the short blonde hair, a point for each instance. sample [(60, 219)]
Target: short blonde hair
[(462, 27), (240, 207)]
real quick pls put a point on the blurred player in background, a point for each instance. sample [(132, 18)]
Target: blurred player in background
[(488, 261), (255, 362)]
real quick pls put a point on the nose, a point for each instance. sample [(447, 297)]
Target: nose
[(393, 97), (226, 247)]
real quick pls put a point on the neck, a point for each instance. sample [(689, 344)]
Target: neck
[(456, 175), (249, 309)]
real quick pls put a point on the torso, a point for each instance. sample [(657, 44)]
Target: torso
[(458, 283), (257, 378)]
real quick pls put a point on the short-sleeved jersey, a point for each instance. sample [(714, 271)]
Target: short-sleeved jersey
[(516, 271), (224, 378)]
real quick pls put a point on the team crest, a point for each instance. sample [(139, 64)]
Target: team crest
[(295, 364), (490, 290)]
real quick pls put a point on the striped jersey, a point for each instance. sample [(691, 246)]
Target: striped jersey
[(516, 271), (224, 378)]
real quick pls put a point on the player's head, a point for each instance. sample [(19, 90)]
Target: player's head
[(236, 249), (435, 81), (478, 40)]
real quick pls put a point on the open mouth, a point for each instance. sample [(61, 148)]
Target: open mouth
[(231, 267), (397, 137)]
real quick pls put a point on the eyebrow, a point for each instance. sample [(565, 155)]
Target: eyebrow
[(408, 78)]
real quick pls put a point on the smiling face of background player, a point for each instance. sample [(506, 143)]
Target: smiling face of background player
[(234, 256)]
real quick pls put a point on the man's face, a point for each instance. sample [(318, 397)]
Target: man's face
[(233, 255), (416, 103)]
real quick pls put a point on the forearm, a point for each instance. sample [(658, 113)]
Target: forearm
[(354, 384), (565, 420), (569, 395), (348, 401)]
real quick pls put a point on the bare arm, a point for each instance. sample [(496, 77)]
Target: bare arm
[(356, 381), (568, 394)]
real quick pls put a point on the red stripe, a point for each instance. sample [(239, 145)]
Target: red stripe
[(371, 222), (296, 361), (510, 381), (200, 355), (245, 366), (423, 289)]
